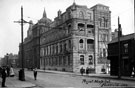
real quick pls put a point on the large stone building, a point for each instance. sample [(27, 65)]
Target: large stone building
[(76, 38)]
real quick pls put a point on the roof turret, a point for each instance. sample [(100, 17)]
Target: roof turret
[(44, 19)]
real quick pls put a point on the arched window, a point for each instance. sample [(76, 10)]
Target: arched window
[(69, 28), (81, 44), (81, 40), (82, 59), (81, 15)]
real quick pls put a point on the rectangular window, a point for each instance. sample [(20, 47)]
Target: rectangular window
[(60, 60), (90, 60), (56, 60), (126, 48), (90, 44), (89, 16), (69, 60), (69, 44), (48, 50), (64, 60), (82, 59), (56, 48), (100, 52), (104, 53), (81, 45), (60, 47)]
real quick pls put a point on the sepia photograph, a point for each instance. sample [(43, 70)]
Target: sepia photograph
[(67, 44)]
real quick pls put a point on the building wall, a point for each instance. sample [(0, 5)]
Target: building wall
[(102, 22), (126, 57)]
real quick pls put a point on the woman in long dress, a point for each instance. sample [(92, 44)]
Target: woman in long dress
[(12, 74)]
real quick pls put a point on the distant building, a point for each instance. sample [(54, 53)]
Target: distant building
[(127, 55), (10, 59), (76, 38), (115, 34)]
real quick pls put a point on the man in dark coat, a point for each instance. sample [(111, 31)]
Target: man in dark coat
[(0, 71), (35, 73), (87, 71), (82, 71), (4, 74), (8, 71)]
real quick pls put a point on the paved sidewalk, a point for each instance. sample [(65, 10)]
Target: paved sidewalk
[(13, 82), (90, 75)]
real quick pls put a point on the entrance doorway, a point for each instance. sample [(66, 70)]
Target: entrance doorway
[(125, 67)]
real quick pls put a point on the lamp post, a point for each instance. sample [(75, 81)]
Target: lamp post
[(21, 72), (7, 58)]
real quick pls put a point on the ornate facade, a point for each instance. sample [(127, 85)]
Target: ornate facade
[(76, 38)]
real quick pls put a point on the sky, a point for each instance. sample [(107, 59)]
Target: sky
[(10, 11)]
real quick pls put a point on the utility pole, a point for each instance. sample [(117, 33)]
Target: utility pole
[(21, 72), (23, 75), (119, 53)]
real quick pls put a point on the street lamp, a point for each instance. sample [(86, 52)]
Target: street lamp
[(21, 72), (7, 58)]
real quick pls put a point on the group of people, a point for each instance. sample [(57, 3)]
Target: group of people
[(6, 71), (87, 71)]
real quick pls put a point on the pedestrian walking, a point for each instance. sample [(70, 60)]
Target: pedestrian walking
[(133, 72), (12, 74), (87, 71), (132, 69), (82, 71), (35, 73), (8, 71), (4, 75), (0, 71)]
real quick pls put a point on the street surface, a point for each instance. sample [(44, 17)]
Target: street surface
[(54, 80)]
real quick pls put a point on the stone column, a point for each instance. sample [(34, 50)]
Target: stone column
[(95, 41)]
